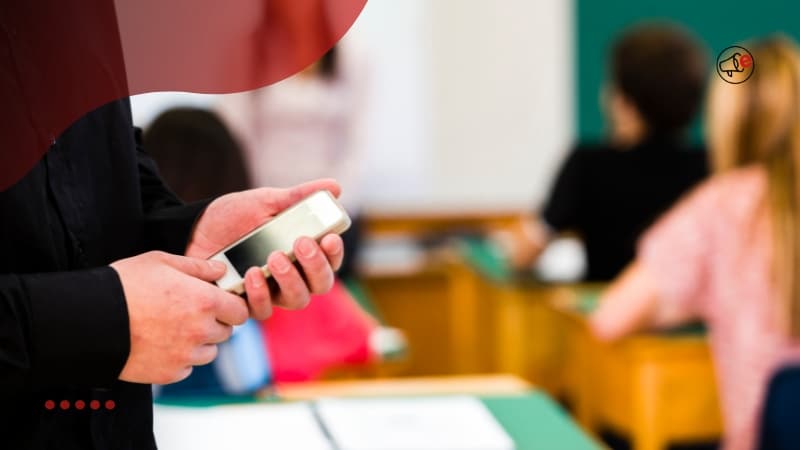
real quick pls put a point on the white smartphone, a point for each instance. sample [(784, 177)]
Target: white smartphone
[(316, 216)]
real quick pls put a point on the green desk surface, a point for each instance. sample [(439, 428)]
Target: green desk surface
[(485, 259), (535, 422), (532, 420)]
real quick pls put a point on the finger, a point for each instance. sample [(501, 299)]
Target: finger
[(203, 269), (179, 376), (293, 290), (219, 333), (333, 247), (230, 309), (203, 354), (259, 299), (317, 270), (327, 184)]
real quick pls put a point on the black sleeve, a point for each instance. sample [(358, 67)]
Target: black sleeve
[(168, 221), (72, 328), (60, 329), (564, 203)]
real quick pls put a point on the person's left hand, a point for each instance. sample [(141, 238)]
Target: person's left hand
[(234, 215)]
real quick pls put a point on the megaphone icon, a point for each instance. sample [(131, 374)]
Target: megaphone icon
[(738, 66), (731, 65)]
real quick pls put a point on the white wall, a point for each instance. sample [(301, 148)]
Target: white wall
[(395, 35), (502, 79), (471, 104), (146, 107)]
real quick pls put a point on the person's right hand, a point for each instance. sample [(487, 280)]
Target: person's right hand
[(176, 315)]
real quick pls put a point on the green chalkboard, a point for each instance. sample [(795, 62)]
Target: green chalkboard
[(720, 24)]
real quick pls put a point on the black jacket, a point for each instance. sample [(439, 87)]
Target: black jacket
[(94, 198)]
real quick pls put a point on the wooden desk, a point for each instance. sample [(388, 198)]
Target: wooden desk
[(418, 303), (421, 223), (433, 303), (655, 388), (516, 325), (437, 305), (471, 315), (442, 385)]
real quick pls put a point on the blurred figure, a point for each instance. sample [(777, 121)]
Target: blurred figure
[(729, 254), (609, 193), (199, 158), (196, 154), (305, 127)]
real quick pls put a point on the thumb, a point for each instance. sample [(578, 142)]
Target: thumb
[(305, 189), (276, 200), (203, 269)]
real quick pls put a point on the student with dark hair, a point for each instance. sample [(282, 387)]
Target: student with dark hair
[(609, 193), (196, 154)]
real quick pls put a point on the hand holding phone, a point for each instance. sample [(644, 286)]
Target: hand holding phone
[(314, 217), (231, 216)]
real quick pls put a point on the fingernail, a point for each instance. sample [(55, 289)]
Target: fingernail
[(339, 249), (280, 264), (256, 281), (217, 265), (306, 247)]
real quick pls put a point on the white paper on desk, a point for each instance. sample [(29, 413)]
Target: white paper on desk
[(436, 423), (238, 427)]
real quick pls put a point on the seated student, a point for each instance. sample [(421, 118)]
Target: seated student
[(199, 158), (609, 193), (729, 253)]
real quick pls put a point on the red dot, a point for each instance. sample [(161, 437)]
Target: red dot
[(64, 404), (50, 404), (94, 404), (110, 404), (80, 404)]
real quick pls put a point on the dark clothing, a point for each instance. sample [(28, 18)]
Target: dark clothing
[(352, 244), (610, 196), (94, 198), (779, 430)]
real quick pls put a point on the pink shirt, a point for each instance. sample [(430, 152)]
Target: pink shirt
[(711, 258)]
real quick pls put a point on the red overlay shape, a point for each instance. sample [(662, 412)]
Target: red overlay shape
[(60, 59)]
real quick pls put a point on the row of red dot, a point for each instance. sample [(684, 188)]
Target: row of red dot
[(79, 405)]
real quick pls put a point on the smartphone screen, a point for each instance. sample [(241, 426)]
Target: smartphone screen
[(277, 235), (253, 252)]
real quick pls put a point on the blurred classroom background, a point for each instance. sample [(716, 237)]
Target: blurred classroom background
[(454, 117)]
